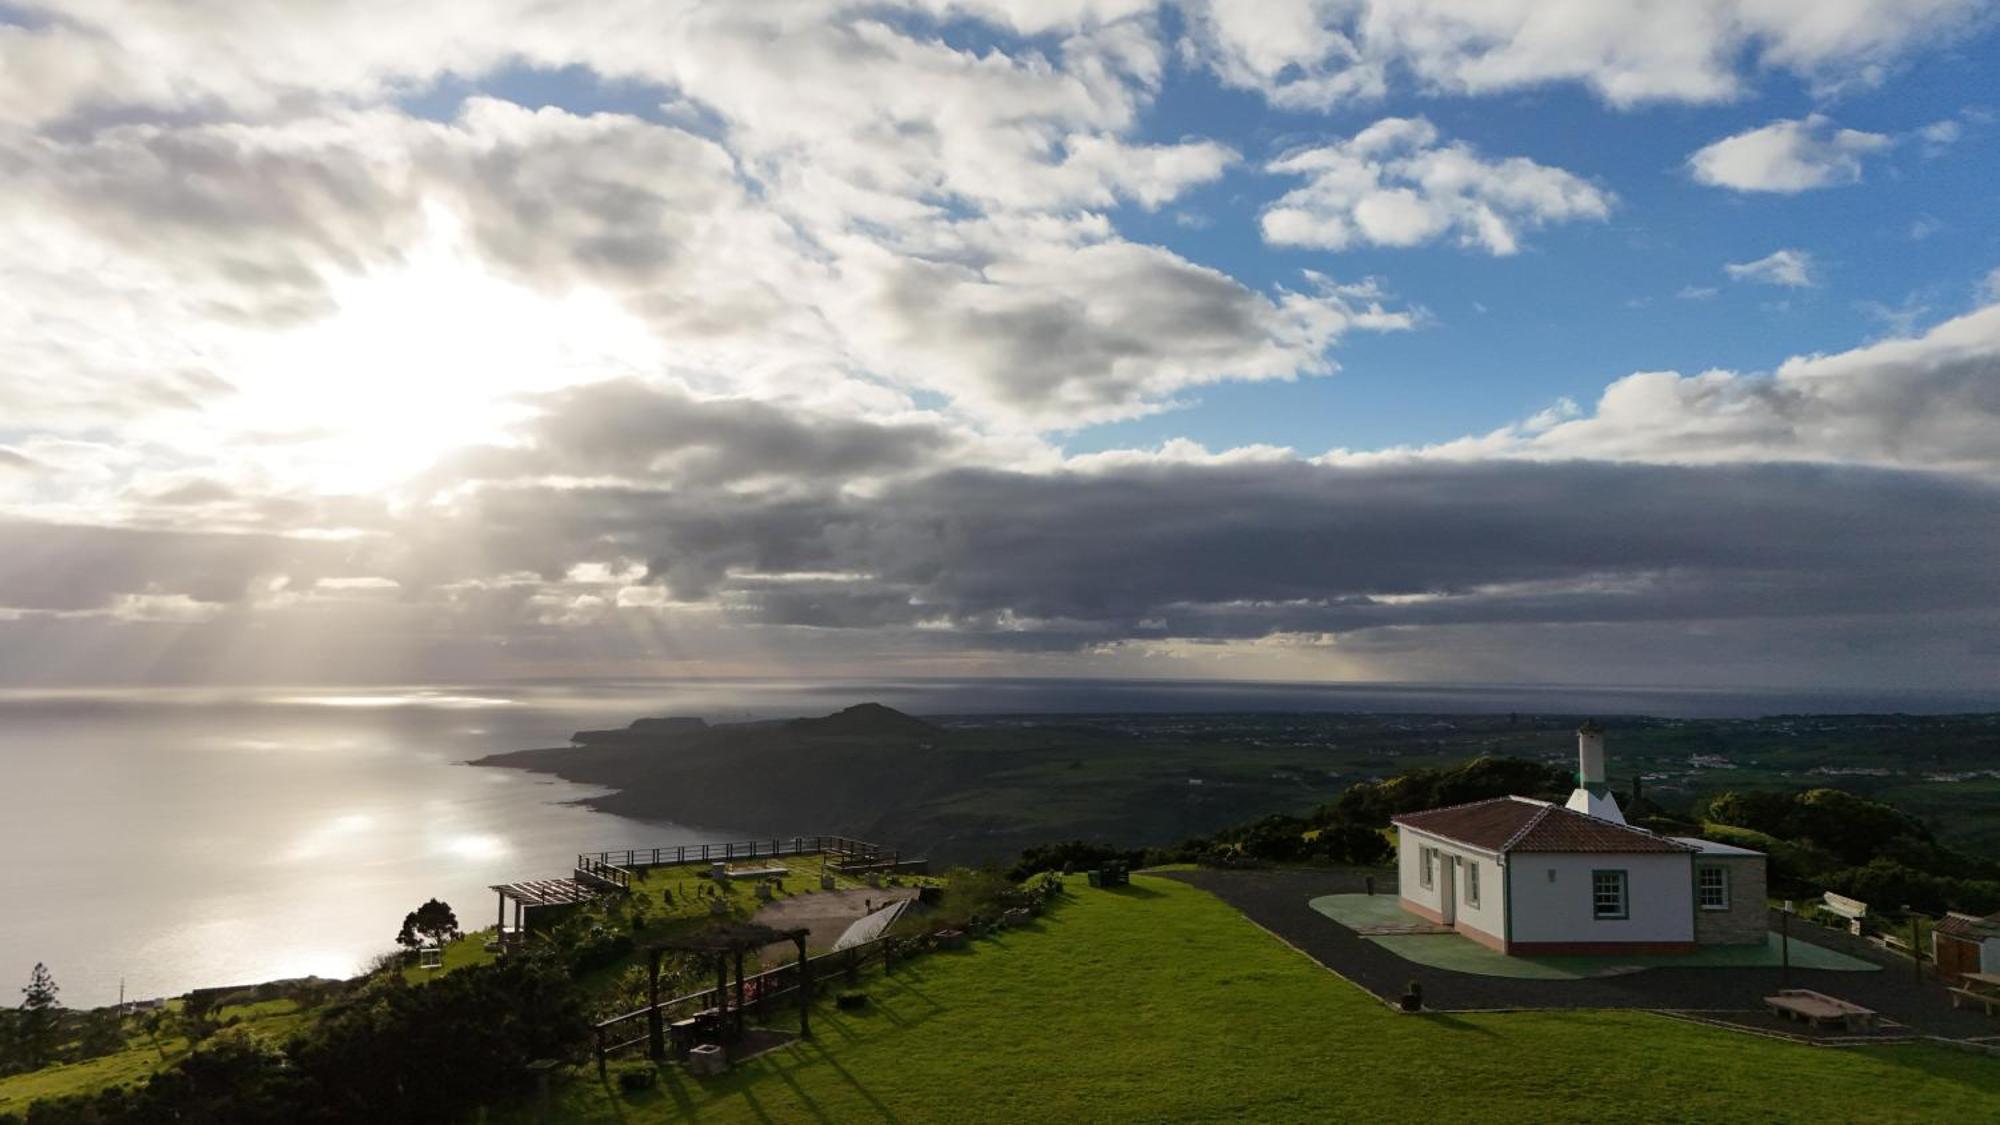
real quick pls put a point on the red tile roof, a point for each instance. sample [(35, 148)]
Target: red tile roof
[(1955, 924), (1516, 824)]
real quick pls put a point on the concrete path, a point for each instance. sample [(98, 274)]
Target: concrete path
[(828, 913)]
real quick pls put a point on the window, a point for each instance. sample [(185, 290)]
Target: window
[(1713, 884), (1607, 894), (1472, 883), (1429, 876)]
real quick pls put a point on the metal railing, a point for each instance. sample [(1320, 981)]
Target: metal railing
[(851, 851), (594, 869)]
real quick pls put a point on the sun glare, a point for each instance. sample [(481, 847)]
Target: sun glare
[(415, 362)]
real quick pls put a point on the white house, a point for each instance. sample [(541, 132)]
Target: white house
[(1526, 876)]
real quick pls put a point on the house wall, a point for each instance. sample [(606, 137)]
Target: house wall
[(1552, 914), (1747, 920), (1955, 957), (1486, 922)]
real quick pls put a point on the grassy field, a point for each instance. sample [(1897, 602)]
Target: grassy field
[(1157, 1002), (272, 1019), (278, 1019)]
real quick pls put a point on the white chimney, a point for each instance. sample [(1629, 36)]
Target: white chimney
[(1593, 793)]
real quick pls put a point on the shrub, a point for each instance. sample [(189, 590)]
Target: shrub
[(634, 1077)]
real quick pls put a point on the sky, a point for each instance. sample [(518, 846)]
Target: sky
[(1326, 340)]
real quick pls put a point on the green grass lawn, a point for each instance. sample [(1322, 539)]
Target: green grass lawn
[(1158, 1002), (271, 1019)]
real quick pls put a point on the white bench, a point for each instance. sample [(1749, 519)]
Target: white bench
[(1985, 1000), (1817, 1008)]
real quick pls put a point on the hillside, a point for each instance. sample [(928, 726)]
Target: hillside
[(987, 787), (956, 792), (1157, 1002)]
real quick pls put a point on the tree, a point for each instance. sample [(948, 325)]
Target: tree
[(103, 1033), (39, 1026), (433, 923), (155, 1023)]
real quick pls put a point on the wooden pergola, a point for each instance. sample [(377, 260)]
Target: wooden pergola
[(535, 893), (723, 942)]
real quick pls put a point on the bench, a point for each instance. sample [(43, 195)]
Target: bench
[(1985, 999), (757, 872), (1817, 1008)]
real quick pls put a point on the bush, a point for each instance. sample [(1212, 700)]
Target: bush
[(634, 1078)]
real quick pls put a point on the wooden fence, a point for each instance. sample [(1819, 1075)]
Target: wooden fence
[(763, 994)]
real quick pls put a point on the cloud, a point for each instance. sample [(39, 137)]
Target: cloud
[(1787, 157), (1931, 402), (1409, 557), (1696, 292), (628, 430), (1393, 184), (1793, 269), (1060, 334), (1316, 54)]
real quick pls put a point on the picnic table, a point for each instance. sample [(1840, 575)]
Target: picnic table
[(1817, 1008), (1979, 988)]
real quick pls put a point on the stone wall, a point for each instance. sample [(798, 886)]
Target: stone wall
[(1745, 922)]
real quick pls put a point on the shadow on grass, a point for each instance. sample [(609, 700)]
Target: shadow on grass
[(1454, 1023), (867, 1095), (1133, 890)]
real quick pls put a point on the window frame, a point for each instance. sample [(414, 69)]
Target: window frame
[(1427, 857), (1472, 883), (1624, 878), (1701, 892)]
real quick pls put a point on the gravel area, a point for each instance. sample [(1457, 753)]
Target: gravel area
[(1278, 901)]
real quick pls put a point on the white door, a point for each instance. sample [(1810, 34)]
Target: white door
[(1448, 888)]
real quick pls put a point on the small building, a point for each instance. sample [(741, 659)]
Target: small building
[(1521, 875), (1964, 943)]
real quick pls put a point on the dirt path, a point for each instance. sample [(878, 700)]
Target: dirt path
[(828, 913)]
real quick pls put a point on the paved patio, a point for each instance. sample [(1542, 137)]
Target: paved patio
[(1280, 901), (1375, 917)]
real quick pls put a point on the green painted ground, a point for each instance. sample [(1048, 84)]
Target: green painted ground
[(1463, 955), (1159, 1003)]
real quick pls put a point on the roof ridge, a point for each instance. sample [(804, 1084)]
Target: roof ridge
[(1448, 808), (1510, 841), (1618, 825)]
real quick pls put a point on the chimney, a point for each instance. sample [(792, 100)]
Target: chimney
[(1590, 755), (1593, 795)]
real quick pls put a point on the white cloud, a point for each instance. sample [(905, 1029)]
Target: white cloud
[(1320, 53), (1928, 402), (1696, 292), (1940, 135), (1786, 156), (1393, 184), (1791, 268)]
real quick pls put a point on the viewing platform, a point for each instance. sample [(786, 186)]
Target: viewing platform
[(537, 902)]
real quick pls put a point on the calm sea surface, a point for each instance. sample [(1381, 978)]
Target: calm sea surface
[(180, 839)]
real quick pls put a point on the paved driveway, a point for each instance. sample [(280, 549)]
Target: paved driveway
[(1279, 901)]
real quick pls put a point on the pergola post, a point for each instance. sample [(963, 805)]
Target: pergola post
[(739, 985), (500, 923), (805, 988), (656, 1039), (722, 983)]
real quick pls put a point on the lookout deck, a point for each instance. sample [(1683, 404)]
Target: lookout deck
[(599, 874)]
